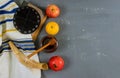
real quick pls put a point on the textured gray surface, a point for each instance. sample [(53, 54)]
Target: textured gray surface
[(88, 38)]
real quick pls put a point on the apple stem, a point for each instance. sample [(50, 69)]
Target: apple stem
[(52, 9), (51, 26), (55, 66)]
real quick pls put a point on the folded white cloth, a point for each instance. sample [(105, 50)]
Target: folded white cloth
[(10, 67)]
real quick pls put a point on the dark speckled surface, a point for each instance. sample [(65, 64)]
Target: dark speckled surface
[(89, 38)]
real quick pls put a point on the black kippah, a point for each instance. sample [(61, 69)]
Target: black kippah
[(26, 20)]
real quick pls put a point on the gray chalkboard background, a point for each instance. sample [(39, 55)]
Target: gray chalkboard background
[(89, 38)]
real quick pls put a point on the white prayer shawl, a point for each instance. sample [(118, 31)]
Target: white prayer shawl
[(10, 67)]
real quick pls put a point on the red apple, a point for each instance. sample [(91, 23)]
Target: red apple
[(52, 11), (56, 63)]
